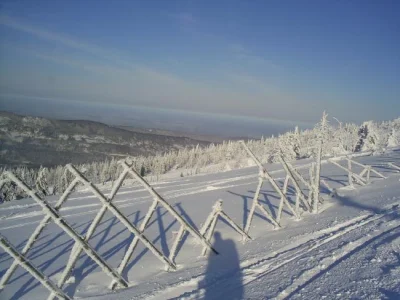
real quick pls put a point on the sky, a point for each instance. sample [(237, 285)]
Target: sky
[(286, 60)]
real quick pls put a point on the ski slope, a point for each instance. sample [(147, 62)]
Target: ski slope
[(351, 249)]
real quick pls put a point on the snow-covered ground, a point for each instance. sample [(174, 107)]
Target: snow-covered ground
[(350, 250)]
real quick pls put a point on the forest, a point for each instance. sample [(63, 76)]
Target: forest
[(337, 139)]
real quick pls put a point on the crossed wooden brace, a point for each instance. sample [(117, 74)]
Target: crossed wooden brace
[(81, 243)]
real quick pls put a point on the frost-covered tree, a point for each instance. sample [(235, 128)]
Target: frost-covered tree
[(337, 140), (377, 136), (394, 138), (42, 182), (349, 137)]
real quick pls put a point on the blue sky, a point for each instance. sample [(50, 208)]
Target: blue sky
[(270, 59)]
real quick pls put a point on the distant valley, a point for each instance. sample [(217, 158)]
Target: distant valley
[(34, 141)]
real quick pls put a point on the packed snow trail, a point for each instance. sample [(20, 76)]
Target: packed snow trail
[(288, 262), (312, 258), (312, 255)]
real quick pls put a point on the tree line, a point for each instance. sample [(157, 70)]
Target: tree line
[(338, 139)]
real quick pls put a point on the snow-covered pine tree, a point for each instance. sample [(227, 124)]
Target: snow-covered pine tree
[(42, 181)]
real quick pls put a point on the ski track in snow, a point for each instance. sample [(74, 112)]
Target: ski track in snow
[(134, 189), (207, 186), (211, 185), (253, 270)]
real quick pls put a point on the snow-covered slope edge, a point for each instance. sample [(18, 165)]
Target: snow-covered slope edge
[(295, 261)]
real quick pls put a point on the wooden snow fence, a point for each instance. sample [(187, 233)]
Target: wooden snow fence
[(51, 214), (208, 228), (81, 243), (396, 167), (20, 259), (362, 178), (309, 203), (264, 176), (294, 176)]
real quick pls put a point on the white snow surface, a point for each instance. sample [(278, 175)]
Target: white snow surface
[(349, 250)]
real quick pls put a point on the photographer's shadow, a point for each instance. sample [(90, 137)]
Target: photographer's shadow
[(223, 277)]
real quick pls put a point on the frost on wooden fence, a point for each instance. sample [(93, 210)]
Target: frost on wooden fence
[(108, 205), (159, 200), (362, 178), (138, 232), (81, 243), (392, 165), (264, 176), (290, 175), (316, 178), (27, 265), (51, 214), (309, 203), (209, 226)]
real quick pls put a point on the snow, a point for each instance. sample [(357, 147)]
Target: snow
[(350, 250)]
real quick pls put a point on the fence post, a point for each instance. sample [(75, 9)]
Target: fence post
[(317, 179), (349, 174), (177, 240), (286, 184), (254, 205), (209, 233)]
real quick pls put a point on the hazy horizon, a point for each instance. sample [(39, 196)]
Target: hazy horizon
[(147, 117), (262, 59)]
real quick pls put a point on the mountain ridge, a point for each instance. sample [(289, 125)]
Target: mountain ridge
[(35, 141)]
